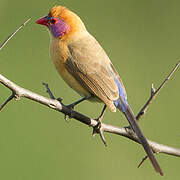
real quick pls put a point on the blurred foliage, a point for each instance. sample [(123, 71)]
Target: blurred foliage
[(142, 39)]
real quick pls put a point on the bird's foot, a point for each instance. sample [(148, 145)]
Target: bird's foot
[(99, 130), (66, 117), (69, 116), (71, 108)]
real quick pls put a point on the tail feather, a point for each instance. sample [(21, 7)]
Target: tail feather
[(132, 121)]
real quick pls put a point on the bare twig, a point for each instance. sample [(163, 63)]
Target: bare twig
[(155, 92), (49, 91), (56, 105), (11, 35)]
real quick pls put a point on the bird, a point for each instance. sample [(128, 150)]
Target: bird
[(85, 67)]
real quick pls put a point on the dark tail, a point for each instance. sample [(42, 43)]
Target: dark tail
[(132, 121)]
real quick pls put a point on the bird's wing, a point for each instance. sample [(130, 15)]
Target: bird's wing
[(91, 67)]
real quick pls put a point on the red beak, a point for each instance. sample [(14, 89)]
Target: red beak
[(42, 21)]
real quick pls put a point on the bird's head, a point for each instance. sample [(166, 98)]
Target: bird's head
[(62, 22)]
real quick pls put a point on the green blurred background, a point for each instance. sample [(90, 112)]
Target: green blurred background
[(142, 38)]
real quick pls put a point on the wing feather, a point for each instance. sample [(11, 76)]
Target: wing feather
[(91, 67)]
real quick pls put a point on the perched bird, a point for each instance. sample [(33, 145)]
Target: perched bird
[(86, 68)]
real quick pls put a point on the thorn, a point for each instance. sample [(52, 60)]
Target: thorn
[(67, 118), (16, 97), (8, 100), (94, 132), (59, 99), (45, 84), (99, 130), (102, 137), (142, 161), (152, 90)]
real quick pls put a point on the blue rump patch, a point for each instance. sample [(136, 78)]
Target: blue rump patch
[(118, 102)]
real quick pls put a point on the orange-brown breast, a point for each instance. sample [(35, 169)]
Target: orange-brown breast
[(59, 55)]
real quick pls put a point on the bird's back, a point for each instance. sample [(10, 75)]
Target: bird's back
[(91, 66)]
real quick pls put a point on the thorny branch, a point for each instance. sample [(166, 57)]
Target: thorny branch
[(155, 92), (19, 92)]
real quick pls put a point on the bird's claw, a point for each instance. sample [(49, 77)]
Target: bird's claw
[(99, 130), (71, 108)]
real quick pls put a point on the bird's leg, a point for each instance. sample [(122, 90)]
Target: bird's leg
[(77, 102), (102, 114), (71, 106), (60, 100), (98, 128)]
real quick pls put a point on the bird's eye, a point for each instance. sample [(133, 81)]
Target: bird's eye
[(53, 21)]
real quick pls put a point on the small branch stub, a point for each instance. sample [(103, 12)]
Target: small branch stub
[(152, 90)]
